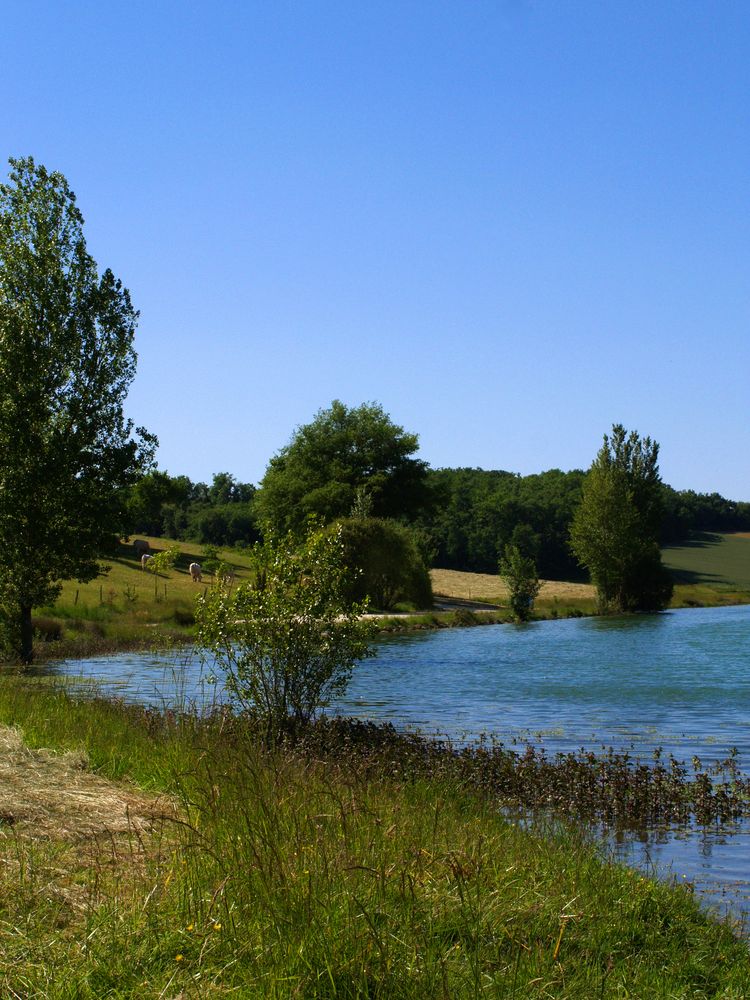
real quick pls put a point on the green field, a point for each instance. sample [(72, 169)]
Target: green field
[(715, 559)]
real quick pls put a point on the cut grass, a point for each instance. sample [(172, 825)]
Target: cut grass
[(556, 598), (326, 874)]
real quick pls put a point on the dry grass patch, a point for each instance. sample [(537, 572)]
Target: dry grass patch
[(489, 587), (54, 795)]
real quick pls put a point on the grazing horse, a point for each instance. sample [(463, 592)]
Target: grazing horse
[(145, 558), (140, 547), (195, 573)]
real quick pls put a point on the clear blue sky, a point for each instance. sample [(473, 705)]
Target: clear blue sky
[(511, 223)]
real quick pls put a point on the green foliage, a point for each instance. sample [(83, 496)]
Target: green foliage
[(162, 562), (519, 574), (479, 512), (687, 512), (210, 558), (321, 472), (66, 363), (616, 528), (387, 567), (287, 643), (147, 497), (173, 506)]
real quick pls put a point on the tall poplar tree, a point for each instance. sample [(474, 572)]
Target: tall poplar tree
[(615, 528), (66, 363)]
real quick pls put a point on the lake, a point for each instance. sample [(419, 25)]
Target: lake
[(679, 680)]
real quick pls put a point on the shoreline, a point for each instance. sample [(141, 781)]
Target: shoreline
[(460, 613)]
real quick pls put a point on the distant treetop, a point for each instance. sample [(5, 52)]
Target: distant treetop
[(329, 462)]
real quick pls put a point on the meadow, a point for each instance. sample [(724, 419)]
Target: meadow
[(712, 560), (161, 855)]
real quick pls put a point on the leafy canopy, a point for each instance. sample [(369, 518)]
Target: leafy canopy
[(287, 642), (66, 363), (319, 474), (616, 527)]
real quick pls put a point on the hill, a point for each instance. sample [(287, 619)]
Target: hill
[(717, 559)]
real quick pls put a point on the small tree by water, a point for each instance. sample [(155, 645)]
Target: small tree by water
[(287, 642), (520, 577)]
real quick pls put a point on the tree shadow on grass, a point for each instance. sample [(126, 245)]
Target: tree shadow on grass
[(700, 540), (695, 576), (125, 555)]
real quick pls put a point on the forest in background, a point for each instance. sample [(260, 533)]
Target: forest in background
[(471, 515)]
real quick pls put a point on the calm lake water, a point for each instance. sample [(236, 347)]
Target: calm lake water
[(680, 681)]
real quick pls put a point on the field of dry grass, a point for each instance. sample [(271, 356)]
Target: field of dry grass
[(489, 587)]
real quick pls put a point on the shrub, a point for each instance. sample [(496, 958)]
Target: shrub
[(463, 617), (47, 629), (286, 643), (180, 617), (519, 575), (385, 563)]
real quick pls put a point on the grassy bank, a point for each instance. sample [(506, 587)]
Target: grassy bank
[(347, 866), (127, 607)]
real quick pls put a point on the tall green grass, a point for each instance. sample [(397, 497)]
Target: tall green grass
[(322, 871)]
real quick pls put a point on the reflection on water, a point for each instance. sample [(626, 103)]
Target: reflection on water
[(680, 680)]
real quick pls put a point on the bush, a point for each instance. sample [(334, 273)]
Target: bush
[(386, 565), (519, 575), (464, 617), (47, 629), (286, 643), (180, 617)]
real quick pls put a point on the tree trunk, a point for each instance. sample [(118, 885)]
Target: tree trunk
[(27, 635)]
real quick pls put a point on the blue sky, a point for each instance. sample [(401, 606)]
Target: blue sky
[(510, 223)]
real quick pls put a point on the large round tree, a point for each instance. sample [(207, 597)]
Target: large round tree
[(345, 454), (66, 363)]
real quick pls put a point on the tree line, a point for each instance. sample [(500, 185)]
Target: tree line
[(464, 520), (352, 467)]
